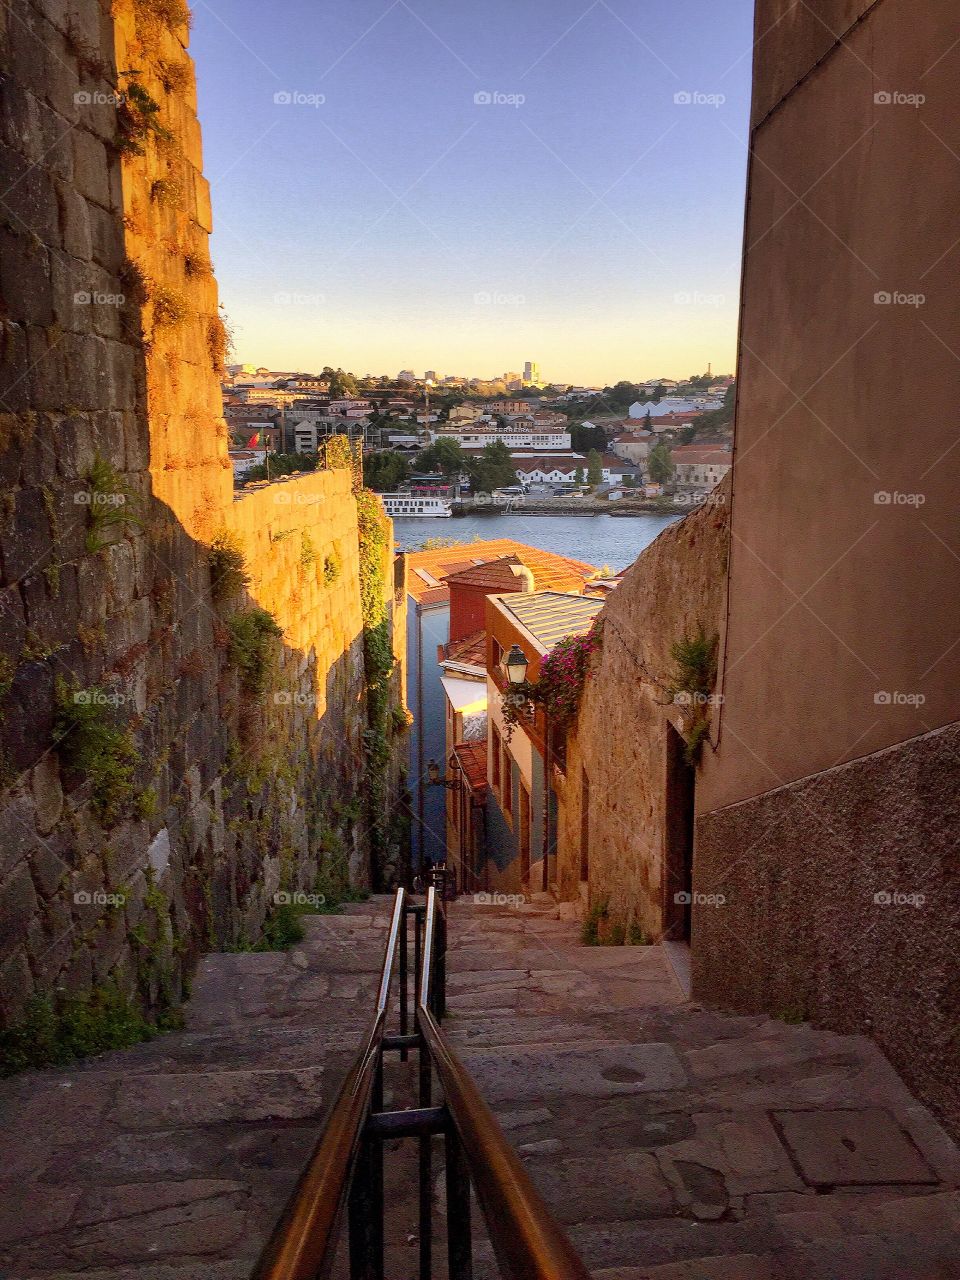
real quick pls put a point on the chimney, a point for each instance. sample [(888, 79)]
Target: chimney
[(526, 577)]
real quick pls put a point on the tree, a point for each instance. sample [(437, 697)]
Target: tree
[(583, 438), (578, 476), (660, 464), (341, 384), (444, 455), (594, 467), (493, 469), (385, 472)]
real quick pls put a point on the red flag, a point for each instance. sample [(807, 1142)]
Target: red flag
[(254, 440)]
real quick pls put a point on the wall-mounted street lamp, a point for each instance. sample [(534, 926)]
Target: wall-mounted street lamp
[(515, 665), (433, 774)]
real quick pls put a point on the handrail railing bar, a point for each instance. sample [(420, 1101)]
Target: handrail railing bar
[(301, 1246)]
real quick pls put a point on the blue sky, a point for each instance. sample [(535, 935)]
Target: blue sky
[(463, 187)]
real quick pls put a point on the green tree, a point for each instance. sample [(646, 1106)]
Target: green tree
[(444, 455), (594, 467), (660, 464), (385, 472), (493, 469), (584, 438), (341, 384), (578, 476)]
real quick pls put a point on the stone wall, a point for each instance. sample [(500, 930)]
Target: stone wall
[(673, 590), (842, 904), (168, 762)]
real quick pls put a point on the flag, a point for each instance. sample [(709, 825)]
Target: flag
[(254, 440)]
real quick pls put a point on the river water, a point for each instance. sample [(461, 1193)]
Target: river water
[(599, 540)]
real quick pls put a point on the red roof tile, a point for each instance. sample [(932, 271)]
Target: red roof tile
[(472, 757)]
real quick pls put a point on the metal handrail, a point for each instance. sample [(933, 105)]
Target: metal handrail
[(304, 1240), (528, 1242)]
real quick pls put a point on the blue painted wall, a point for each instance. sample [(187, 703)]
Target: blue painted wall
[(426, 629)]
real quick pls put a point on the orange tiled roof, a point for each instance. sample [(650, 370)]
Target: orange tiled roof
[(471, 649), (551, 572), (473, 761)]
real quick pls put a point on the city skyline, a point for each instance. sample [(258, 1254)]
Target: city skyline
[(554, 199)]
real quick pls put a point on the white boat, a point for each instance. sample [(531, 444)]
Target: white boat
[(415, 505)]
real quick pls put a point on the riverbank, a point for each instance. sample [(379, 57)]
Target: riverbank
[(587, 506)]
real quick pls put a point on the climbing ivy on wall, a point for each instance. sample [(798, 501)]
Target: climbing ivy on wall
[(374, 536)]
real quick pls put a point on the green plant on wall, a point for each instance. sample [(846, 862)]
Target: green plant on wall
[(331, 568), (57, 1032), (89, 741), (137, 117), (250, 649), (559, 688), (111, 500), (374, 536), (308, 552), (695, 675), (228, 572)]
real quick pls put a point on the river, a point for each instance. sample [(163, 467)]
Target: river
[(601, 540)]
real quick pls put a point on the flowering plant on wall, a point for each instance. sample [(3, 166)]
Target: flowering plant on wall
[(563, 674)]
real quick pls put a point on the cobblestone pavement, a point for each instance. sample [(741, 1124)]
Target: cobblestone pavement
[(672, 1141)]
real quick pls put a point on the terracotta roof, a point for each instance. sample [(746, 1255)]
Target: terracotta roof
[(495, 575), (471, 650), (427, 569), (472, 757)]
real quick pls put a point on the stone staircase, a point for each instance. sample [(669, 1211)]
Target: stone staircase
[(671, 1141), (676, 1143)]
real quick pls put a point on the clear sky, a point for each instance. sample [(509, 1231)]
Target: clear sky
[(465, 186)]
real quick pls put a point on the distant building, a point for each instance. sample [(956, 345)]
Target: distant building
[(699, 467), (633, 446), (242, 460), (531, 374), (406, 375)]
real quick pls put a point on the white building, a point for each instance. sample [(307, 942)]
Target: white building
[(243, 459), (515, 437)]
